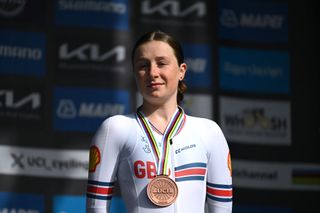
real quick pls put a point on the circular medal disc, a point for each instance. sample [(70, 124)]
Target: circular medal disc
[(162, 191)]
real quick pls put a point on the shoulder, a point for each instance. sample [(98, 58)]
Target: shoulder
[(117, 123), (203, 124), (120, 119), (114, 129), (210, 132)]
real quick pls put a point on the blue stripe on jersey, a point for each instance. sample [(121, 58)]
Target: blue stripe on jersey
[(99, 183), (189, 178), (99, 197), (219, 192), (219, 199), (204, 165), (222, 186)]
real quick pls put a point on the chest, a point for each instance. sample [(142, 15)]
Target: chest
[(186, 152)]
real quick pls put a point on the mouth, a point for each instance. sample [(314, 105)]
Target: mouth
[(154, 84)]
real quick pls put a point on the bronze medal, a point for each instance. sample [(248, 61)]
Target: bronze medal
[(162, 191)]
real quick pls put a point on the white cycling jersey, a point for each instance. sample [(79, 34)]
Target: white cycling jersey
[(199, 162)]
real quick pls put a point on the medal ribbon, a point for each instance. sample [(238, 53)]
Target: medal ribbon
[(162, 158)]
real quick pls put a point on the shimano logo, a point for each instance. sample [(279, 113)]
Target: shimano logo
[(91, 52), (230, 19), (95, 6), (11, 8), (68, 110), (20, 52), (173, 8)]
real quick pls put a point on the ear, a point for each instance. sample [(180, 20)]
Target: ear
[(183, 69)]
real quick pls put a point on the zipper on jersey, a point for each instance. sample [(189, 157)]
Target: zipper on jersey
[(175, 207)]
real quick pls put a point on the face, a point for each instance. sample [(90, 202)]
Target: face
[(157, 72)]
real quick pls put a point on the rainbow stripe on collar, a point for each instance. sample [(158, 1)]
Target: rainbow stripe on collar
[(162, 156)]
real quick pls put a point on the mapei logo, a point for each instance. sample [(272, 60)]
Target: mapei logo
[(92, 52), (174, 8), (68, 110), (229, 18), (83, 109), (257, 21), (12, 8), (9, 100)]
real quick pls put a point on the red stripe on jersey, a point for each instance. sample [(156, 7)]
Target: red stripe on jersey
[(219, 192), (190, 172), (100, 190)]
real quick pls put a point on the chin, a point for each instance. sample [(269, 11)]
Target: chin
[(154, 99)]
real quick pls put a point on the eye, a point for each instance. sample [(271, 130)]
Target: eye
[(141, 65), (162, 63)]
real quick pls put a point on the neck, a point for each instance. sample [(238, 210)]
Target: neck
[(159, 116)]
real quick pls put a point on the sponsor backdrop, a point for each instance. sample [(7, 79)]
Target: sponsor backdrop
[(65, 67)]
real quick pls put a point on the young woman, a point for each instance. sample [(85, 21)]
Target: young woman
[(164, 160)]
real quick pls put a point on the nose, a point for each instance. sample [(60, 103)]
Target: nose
[(154, 71)]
